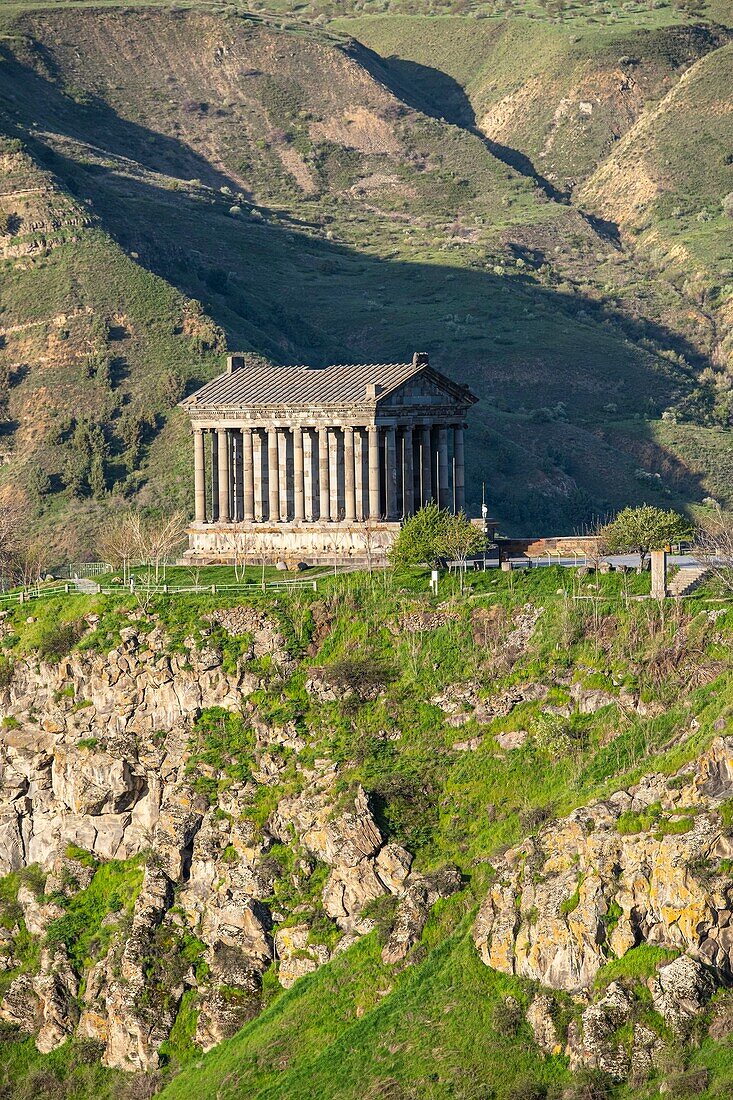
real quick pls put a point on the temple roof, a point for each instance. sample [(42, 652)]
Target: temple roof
[(254, 381)]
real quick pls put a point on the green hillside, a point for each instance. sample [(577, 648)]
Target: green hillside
[(349, 193)]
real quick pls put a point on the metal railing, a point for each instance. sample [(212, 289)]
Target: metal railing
[(84, 569)]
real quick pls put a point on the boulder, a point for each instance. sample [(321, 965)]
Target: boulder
[(221, 1013), (296, 955), (680, 990), (542, 1024)]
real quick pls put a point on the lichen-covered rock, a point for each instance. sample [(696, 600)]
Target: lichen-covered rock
[(349, 842), (296, 955), (267, 638), (20, 1004), (56, 988), (585, 890), (100, 768), (463, 702), (594, 1043), (680, 990), (221, 1013), (409, 923), (541, 1021), (392, 864), (420, 894)]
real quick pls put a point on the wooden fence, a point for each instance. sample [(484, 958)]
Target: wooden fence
[(68, 588)]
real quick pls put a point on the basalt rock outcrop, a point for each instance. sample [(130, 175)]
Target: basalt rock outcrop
[(647, 866), (98, 763)]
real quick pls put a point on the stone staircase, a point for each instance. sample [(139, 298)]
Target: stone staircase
[(687, 579)]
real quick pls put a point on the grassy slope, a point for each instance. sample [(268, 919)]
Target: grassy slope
[(71, 295), (670, 173), (526, 80), (339, 1034)]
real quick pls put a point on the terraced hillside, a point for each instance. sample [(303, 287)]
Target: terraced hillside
[(347, 194)]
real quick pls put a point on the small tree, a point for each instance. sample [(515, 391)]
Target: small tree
[(421, 538), (28, 561), (237, 544), (462, 540), (434, 534), (119, 542), (640, 530), (161, 538), (714, 546)]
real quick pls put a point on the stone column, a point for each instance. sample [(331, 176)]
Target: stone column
[(349, 476), (298, 472), (359, 472), (334, 464), (459, 475), (273, 482), (248, 484), (308, 479), (282, 458), (214, 475), (199, 476), (259, 449), (426, 451), (391, 472), (416, 470), (659, 573), (374, 509), (443, 498), (238, 448), (224, 513), (324, 490), (408, 496)]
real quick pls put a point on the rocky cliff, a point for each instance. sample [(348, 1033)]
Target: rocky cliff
[(205, 809), (99, 763), (650, 865)]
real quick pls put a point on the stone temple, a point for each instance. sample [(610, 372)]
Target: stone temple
[(321, 464)]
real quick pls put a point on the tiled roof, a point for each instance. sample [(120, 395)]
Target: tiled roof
[(258, 383)]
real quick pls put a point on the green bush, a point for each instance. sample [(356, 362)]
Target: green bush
[(58, 639), (113, 889), (382, 911), (364, 676), (590, 1084), (506, 1017), (527, 1088)]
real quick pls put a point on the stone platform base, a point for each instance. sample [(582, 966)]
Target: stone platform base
[(312, 543)]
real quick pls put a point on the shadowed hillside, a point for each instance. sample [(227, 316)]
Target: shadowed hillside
[(320, 204)]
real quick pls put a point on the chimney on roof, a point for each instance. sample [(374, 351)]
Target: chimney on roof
[(234, 363), (420, 359)]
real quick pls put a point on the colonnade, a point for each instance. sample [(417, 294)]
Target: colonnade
[(325, 473)]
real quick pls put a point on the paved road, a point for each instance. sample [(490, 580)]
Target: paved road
[(83, 584), (684, 561)]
